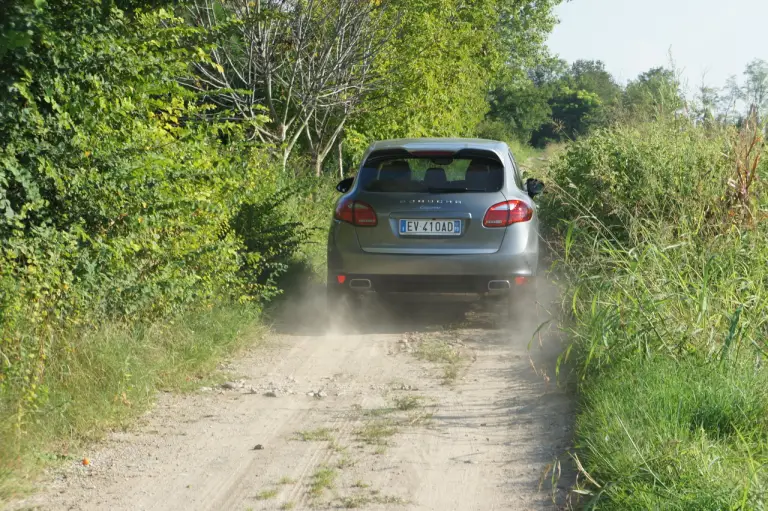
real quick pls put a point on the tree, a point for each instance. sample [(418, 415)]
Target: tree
[(573, 113), (655, 92), (447, 58), (299, 68), (520, 105), (591, 76), (554, 100), (705, 103), (755, 89)]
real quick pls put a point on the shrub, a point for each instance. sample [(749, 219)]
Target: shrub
[(669, 316), (125, 198)]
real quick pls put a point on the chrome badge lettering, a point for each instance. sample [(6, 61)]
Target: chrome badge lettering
[(430, 201)]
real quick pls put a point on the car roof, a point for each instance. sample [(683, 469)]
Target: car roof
[(451, 144)]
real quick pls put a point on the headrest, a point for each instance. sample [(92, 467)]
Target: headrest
[(435, 177)]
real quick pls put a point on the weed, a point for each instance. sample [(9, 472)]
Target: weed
[(111, 378), (378, 412), (286, 481), (315, 435), (438, 351), (323, 479), (388, 499), (345, 462), (441, 352), (450, 373), (287, 505), (354, 501), (406, 403), (357, 501), (267, 494), (336, 446), (360, 484), (667, 308), (377, 432)]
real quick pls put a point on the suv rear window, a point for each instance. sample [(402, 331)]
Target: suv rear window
[(431, 174)]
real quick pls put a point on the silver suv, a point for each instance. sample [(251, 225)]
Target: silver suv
[(445, 216)]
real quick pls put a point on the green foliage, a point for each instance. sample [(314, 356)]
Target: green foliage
[(124, 197), (270, 237), (130, 203), (655, 93), (669, 172), (685, 435), (553, 102), (441, 62), (669, 312), (519, 107), (107, 378)]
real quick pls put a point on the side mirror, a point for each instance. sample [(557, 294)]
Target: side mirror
[(345, 184), (534, 187)]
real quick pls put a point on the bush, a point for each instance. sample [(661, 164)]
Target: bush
[(669, 316), (664, 172), (126, 200)]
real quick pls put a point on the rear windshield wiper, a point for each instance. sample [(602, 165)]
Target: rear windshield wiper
[(454, 190)]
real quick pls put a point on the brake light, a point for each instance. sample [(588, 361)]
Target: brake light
[(356, 213), (507, 213)]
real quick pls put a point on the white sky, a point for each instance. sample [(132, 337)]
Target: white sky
[(710, 38)]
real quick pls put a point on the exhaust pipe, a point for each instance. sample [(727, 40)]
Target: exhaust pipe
[(499, 285), (360, 284)]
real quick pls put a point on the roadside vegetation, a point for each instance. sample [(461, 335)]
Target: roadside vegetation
[(160, 184), (660, 227)]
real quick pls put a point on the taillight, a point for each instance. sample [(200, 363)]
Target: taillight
[(507, 213), (356, 213)]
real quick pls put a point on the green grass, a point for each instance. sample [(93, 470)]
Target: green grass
[(671, 434), (267, 494), (668, 315), (97, 381), (323, 479), (377, 432), (315, 435), (441, 352)]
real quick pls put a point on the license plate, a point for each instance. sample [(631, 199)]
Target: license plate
[(430, 227)]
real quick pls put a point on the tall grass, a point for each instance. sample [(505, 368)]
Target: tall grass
[(99, 380), (669, 317)]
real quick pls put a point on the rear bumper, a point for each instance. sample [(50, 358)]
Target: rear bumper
[(517, 256), (357, 262), (427, 284)]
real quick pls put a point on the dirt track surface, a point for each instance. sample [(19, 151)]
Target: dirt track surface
[(424, 406)]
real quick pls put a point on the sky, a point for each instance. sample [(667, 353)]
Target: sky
[(709, 39)]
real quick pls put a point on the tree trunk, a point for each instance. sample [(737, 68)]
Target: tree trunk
[(341, 160)]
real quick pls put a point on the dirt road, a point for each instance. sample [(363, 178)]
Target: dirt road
[(419, 407)]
